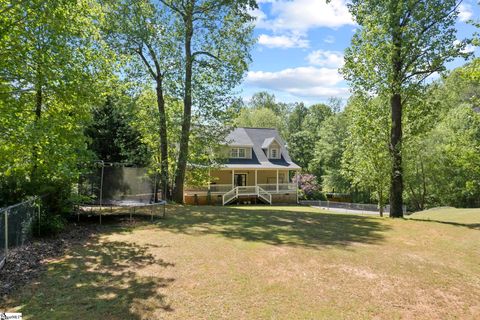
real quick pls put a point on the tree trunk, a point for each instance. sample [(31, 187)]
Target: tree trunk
[(396, 188), (424, 185), (187, 112), (163, 140), (380, 201), (38, 115)]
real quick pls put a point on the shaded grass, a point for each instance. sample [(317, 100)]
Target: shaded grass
[(295, 226), (263, 263), (97, 278)]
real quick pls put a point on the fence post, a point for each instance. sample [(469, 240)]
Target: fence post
[(6, 235)]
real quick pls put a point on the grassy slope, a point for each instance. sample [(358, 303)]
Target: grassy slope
[(263, 263), (450, 215)]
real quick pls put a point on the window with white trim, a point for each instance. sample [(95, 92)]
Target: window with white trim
[(238, 153), (274, 153)]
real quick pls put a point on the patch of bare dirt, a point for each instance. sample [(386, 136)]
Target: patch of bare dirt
[(25, 263)]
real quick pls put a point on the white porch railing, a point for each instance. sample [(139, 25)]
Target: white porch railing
[(220, 188), (246, 191), (282, 187), (264, 194), (229, 196)]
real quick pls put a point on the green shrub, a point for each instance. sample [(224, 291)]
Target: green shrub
[(50, 225)]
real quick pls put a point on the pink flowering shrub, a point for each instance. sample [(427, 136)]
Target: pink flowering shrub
[(309, 187)]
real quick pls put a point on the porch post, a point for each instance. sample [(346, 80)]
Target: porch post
[(255, 177), (209, 179), (277, 180), (297, 185), (233, 178)]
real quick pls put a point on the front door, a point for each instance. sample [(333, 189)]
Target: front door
[(240, 180)]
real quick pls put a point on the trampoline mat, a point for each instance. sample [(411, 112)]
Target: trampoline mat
[(132, 203)]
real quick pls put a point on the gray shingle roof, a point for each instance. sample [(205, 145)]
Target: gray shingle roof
[(258, 138), (239, 137)]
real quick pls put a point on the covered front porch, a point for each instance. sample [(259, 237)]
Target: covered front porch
[(230, 183)]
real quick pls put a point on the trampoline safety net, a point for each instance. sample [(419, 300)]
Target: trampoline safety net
[(116, 190)]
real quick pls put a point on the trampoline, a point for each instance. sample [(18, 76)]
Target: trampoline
[(128, 207), (117, 190)]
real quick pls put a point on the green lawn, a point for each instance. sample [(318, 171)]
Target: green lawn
[(264, 263), (469, 217)]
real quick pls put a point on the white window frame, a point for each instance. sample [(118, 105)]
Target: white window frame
[(277, 156), (235, 153)]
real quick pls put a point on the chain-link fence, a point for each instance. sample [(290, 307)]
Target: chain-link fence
[(348, 207), (17, 225)]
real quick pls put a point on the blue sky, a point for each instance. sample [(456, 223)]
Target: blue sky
[(300, 47)]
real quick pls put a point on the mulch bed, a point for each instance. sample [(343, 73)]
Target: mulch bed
[(27, 262)]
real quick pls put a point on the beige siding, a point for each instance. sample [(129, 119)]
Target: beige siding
[(221, 176)]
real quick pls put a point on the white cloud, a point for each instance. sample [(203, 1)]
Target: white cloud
[(467, 48), (301, 81), (283, 41), (465, 12), (301, 15), (322, 58)]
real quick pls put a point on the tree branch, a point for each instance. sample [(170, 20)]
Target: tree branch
[(206, 53), (155, 60), (147, 64), (174, 8)]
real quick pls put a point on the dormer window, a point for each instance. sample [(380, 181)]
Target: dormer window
[(238, 153), (274, 153)]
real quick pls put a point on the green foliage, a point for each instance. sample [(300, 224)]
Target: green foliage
[(113, 137), (420, 35), (442, 151), (49, 225), (304, 132), (54, 67), (366, 160), (329, 149), (259, 118), (397, 46)]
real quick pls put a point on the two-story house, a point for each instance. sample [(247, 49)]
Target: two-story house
[(258, 170)]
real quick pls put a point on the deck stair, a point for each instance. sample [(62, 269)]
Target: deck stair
[(237, 192)]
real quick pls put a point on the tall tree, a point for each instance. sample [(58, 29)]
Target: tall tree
[(366, 159), (397, 46), (295, 119), (329, 149), (302, 141), (53, 66), (113, 138), (143, 31), (216, 36)]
